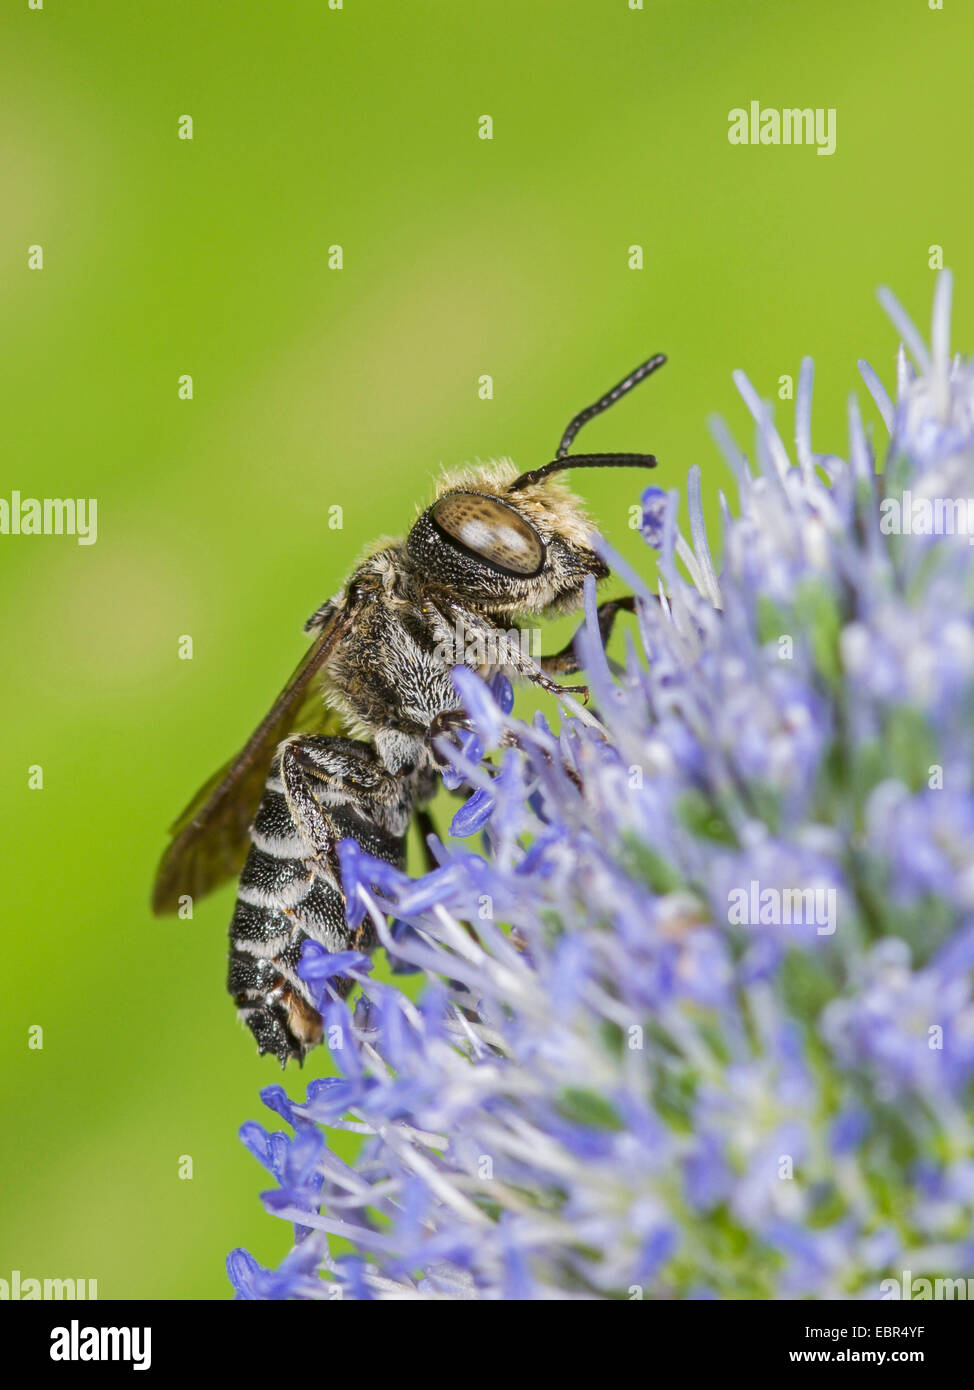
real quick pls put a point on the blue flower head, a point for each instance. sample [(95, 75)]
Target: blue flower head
[(698, 1017)]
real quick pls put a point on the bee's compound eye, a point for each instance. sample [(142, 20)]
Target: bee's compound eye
[(492, 530)]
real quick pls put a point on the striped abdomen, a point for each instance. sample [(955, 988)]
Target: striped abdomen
[(282, 902)]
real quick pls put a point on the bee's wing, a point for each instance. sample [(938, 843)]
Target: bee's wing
[(210, 838)]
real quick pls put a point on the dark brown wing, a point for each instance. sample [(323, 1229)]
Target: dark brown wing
[(210, 839)]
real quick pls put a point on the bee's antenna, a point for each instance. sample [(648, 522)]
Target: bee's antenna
[(584, 461), (624, 387), (561, 459)]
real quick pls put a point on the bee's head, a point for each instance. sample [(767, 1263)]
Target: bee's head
[(523, 551), (510, 542)]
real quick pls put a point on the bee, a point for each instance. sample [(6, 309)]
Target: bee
[(349, 747)]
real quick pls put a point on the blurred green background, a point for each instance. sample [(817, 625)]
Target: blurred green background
[(315, 387)]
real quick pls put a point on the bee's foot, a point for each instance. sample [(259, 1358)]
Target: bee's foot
[(576, 690)]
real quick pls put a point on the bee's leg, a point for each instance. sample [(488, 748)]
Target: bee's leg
[(509, 653), (565, 662), (339, 770), (442, 725)]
